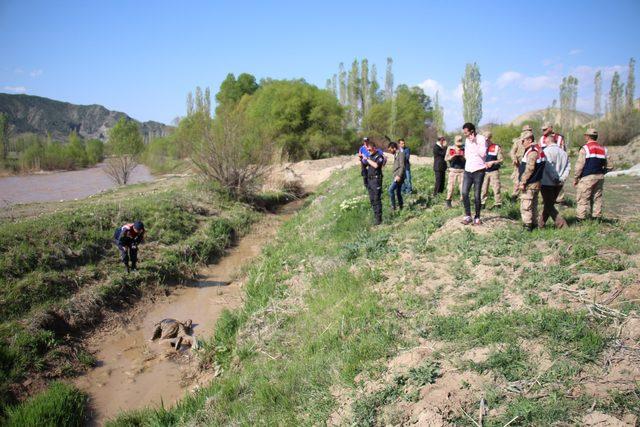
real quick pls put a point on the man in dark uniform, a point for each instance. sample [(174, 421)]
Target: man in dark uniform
[(127, 239), (374, 162), (439, 164)]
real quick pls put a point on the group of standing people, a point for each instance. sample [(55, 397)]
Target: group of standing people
[(540, 169)]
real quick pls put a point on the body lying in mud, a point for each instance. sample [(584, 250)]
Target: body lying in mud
[(176, 333)]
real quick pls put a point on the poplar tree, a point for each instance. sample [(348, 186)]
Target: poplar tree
[(334, 85), (373, 87), (631, 85), (207, 101), (342, 81), (438, 114), (597, 102), (394, 116), (615, 95), (327, 85), (199, 100), (364, 86), (4, 136), (354, 92), (388, 81), (568, 99), (190, 106), (472, 94)]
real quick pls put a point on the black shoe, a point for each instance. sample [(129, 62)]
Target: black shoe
[(497, 206), (448, 203), (483, 206), (528, 227)]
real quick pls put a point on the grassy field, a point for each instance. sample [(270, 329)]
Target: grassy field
[(60, 274), (423, 320)]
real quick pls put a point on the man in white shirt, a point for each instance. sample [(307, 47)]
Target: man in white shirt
[(475, 152)]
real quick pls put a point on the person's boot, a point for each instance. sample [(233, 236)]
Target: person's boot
[(133, 267), (528, 227), (448, 203), (483, 206), (560, 222), (126, 266)]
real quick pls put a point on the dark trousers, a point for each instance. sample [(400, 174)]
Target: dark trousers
[(439, 186), (128, 253), (472, 178), (549, 196), (374, 187), (363, 172), (395, 190)]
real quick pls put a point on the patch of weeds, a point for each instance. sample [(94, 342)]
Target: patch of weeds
[(484, 295), (620, 403), (512, 362), (546, 411), (427, 373)]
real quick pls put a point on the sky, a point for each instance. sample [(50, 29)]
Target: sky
[(143, 57)]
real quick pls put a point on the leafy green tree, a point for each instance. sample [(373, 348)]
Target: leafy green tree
[(77, 151), (342, 82), (568, 100), (95, 151), (615, 95), (472, 94), (412, 110), (374, 86), (354, 94), (301, 119), (438, 114), (631, 85), (597, 102), (4, 136), (232, 90), (125, 145), (364, 87), (388, 81)]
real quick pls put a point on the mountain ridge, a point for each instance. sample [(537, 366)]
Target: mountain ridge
[(46, 116)]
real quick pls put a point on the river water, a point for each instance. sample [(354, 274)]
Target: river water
[(57, 186), (133, 372)]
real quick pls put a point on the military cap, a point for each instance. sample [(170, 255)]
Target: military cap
[(525, 135), (547, 126), (591, 132), (526, 128)]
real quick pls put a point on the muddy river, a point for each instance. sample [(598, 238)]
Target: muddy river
[(133, 372), (56, 186)]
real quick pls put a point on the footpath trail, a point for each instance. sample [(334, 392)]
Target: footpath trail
[(133, 372)]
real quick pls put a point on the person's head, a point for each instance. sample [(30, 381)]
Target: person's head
[(527, 128), (547, 129), (393, 147), (458, 141), (549, 140), (401, 143), (469, 130), (138, 226), (366, 142), (488, 135), (442, 140), (591, 135), (527, 139), (371, 147)]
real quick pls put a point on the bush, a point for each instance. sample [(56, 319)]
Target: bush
[(619, 130)]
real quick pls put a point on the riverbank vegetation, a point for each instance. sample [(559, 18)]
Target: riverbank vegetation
[(60, 273), (423, 320)]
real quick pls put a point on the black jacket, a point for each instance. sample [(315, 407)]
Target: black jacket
[(438, 158)]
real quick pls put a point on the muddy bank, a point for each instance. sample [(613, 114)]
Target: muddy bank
[(131, 371), (56, 186)]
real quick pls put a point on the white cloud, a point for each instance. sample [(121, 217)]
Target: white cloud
[(431, 86), (36, 73), (15, 89), (537, 83), (507, 78), (575, 51)]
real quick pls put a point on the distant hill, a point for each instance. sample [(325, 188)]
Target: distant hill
[(579, 118), (42, 116)]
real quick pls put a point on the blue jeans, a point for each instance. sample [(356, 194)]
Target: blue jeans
[(406, 186), (395, 190), (472, 178)]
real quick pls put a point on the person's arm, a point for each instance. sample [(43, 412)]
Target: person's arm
[(401, 160), (371, 163), (609, 165), (500, 158), (566, 163), (577, 172), (447, 156), (528, 171)]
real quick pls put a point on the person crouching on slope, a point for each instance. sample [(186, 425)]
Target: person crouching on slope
[(127, 239)]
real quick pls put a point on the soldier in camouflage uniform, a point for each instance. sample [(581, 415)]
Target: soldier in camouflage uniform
[(516, 153)]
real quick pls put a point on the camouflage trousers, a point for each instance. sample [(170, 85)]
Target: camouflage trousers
[(588, 194), (515, 177), (529, 205), (493, 179), (455, 175)]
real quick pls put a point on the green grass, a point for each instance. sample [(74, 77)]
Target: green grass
[(60, 405), (45, 260)]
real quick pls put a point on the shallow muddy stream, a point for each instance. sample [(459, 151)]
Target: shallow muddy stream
[(131, 371)]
